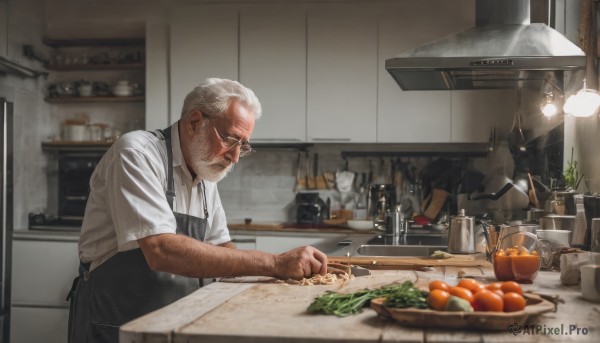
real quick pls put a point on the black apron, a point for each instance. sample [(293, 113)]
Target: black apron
[(124, 287)]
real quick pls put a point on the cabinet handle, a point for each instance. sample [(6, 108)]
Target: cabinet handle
[(259, 140), (76, 198), (331, 139), (243, 240)]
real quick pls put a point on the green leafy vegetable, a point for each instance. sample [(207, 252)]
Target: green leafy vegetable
[(571, 175), (398, 295)]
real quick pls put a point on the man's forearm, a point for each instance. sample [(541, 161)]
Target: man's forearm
[(185, 256)]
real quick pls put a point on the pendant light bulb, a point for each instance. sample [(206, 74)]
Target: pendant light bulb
[(583, 104), (548, 107)]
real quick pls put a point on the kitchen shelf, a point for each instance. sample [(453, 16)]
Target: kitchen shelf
[(57, 43), (64, 146), (88, 99), (102, 67)]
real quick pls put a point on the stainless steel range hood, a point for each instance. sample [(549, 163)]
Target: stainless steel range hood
[(503, 50)]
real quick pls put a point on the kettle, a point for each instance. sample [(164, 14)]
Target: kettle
[(461, 235)]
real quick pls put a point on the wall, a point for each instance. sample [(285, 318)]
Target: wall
[(260, 187), (25, 26), (581, 134)]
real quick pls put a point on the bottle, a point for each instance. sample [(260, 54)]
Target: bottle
[(360, 209), (579, 231)]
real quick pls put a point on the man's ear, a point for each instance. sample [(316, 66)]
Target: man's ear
[(195, 117)]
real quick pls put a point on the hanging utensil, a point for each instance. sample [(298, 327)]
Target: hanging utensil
[(532, 193), (516, 139), (299, 185)]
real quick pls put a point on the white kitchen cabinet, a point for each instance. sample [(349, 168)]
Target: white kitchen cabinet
[(30, 324), (203, 44), (157, 76), (42, 274), (3, 27), (473, 112), (415, 116), (244, 242), (342, 73), (273, 65)]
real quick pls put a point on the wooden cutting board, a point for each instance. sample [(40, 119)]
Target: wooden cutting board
[(417, 263), (256, 226)]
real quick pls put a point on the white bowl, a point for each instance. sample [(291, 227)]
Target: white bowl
[(360, 224)]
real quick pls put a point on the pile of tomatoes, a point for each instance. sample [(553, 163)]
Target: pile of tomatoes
[(497, 296)]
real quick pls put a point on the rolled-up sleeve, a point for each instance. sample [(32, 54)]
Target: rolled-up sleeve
[(137, 199)]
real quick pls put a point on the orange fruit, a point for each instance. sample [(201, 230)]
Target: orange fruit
[(462, 292), (470, 284), (486, 300), (437, 284), (494, 286), (513, 302), (511, 286), (437, 299)]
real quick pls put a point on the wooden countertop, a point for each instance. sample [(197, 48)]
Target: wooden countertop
[(241, 312)]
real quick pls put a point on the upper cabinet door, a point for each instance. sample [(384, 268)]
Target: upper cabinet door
[(342, 73), (415, 116), (273, 65), (204, 43), (3, 27), (474, 112)]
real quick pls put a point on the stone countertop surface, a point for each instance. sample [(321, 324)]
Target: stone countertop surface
[(275, 312)]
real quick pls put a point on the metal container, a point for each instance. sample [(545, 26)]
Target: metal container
[(461, 237), (557, 222), (381, 199)]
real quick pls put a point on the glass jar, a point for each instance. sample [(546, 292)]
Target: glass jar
[(519, 257)]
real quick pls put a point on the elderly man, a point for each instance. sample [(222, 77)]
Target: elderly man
[(154, 222)]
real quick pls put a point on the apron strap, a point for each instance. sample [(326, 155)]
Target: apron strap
[(170, 183)]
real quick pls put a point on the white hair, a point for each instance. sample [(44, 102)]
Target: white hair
[(213, 96)]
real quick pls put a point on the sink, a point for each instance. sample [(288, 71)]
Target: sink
[(398, 250), (432, 240)]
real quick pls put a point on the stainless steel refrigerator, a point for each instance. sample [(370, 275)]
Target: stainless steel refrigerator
[(6, 214)]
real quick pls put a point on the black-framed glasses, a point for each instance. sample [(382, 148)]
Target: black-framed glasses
[(229, 142)]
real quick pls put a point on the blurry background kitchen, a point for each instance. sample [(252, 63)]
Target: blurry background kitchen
[(81, 73), (326, 88)]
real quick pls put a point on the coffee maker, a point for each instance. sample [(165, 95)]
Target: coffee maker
[(310, 209), (382, 198)]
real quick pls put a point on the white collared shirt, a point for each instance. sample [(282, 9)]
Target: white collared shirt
[(127, 198)]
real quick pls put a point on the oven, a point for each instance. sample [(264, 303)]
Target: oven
[(75, 169)]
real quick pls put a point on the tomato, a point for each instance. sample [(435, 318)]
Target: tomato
[(437, 284), (498, 291), (494, 286), (437, 299), (511, 286), (470, 284), (486, 300), (462, 293), (513, 302)]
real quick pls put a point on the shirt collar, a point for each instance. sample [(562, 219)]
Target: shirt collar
[(176, 146), (178, 160)]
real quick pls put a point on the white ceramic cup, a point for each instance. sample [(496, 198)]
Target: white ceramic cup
[(590, 282), (85, 90), (558, 237), (74, 133)]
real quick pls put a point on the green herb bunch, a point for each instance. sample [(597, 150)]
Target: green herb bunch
[(398, 295), (571, 175)]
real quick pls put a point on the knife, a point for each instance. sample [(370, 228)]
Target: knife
[(340, 268)]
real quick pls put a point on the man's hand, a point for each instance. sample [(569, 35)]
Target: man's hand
[(300, 262)]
